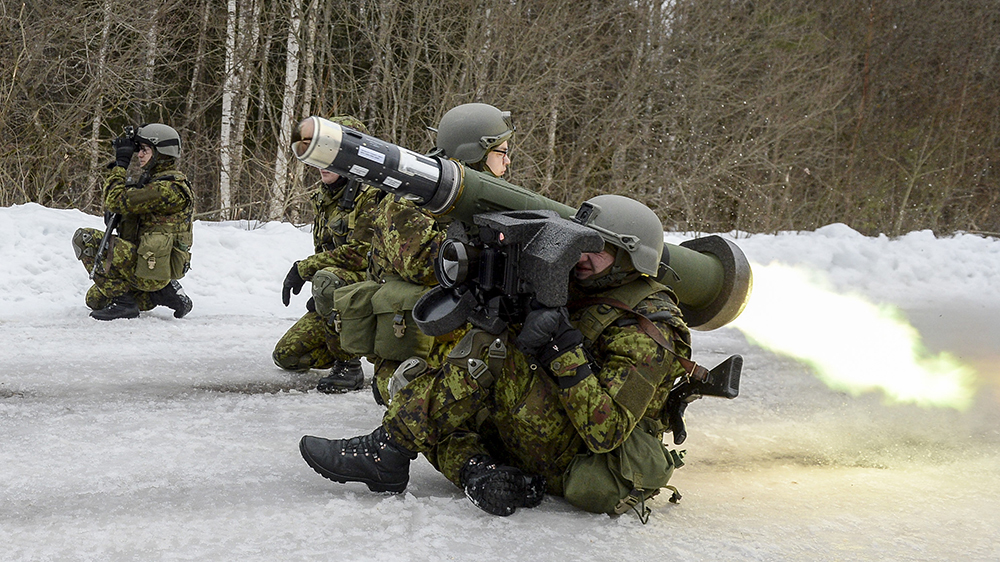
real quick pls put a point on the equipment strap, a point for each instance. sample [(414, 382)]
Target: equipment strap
[(647, 326)]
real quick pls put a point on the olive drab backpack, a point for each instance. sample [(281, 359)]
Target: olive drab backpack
[(164, 249)]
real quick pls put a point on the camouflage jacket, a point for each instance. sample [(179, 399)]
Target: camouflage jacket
[(540, 427), (341, 239), (161, 201), (405, 242)]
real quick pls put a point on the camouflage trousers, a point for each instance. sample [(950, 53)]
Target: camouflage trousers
[(115, 275), (451, 414), (384, 368), (308, 344)]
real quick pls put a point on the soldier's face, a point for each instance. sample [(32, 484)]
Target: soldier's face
[(145, 152), (328, 177), (593, 263), (498, 159)]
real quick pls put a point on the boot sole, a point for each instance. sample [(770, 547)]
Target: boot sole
[(334, 390), (372, 486)]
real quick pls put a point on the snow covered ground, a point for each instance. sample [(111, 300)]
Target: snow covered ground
[(166, 439)]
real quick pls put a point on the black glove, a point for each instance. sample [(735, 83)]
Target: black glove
[(293, 284), (311, 304), (499, 489), (547, 334), (124, 149)]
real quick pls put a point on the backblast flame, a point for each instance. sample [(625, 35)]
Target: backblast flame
[(853, 345)]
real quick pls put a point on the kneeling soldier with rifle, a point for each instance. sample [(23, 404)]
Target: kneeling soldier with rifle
[(138, 269)]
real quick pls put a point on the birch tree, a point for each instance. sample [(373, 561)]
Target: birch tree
[(279, 186), (242, 34), (228, 95)]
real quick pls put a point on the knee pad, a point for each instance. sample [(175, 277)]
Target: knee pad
[(324, 283), (82, 243), (406, 372)]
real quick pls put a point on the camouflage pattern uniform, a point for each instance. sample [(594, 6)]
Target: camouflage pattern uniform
[(525, 419), (342, 240), (161, 202), (405, 245)]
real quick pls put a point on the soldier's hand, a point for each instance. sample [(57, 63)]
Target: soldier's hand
[(292, 284), (124, 149), (547, 334)]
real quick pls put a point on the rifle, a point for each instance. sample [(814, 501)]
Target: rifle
[(722, 381), (111, 224)]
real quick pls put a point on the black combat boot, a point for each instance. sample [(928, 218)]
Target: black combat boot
[(373, 459), (173, 296), (344, 377), (498, 489), (123, 306)]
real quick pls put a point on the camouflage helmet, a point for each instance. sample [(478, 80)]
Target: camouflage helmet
[(469, 131), (351, 122), (627, 224), (163, 138)]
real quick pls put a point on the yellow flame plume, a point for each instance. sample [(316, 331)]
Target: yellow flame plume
[(854, 345)]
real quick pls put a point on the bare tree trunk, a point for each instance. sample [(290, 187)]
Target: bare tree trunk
[(250, 34), (279, 187), (263, 107), (94, 175), (298, 168), (550, 144), (152, 42), (229, 89), (379, 63), (199, 63)]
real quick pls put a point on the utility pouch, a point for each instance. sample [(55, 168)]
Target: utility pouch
[(154, 256), (180, 255), (397, 336), (352, 308), (616, 481)]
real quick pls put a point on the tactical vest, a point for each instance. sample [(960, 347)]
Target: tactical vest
[(626, 477), (332, 224), (593, 319)]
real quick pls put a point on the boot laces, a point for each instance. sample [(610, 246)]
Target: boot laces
[(368, 445)]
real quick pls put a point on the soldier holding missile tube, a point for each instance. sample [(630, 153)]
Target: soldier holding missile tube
[(577, 345)]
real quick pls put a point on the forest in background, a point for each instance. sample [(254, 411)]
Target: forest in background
[(750, 115)]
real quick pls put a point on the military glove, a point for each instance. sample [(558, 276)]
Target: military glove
[(556, 345), (293, 284), (499, 489), (311, 304), (547, 334), (124, 149)]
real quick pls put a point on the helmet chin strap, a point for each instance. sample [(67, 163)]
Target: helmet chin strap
[(152, 159)]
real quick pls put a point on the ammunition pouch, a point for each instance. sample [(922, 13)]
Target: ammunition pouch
[(468, 353), (397, 336), (162, 256), (374, 318), (352, 316), (618, 480)]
